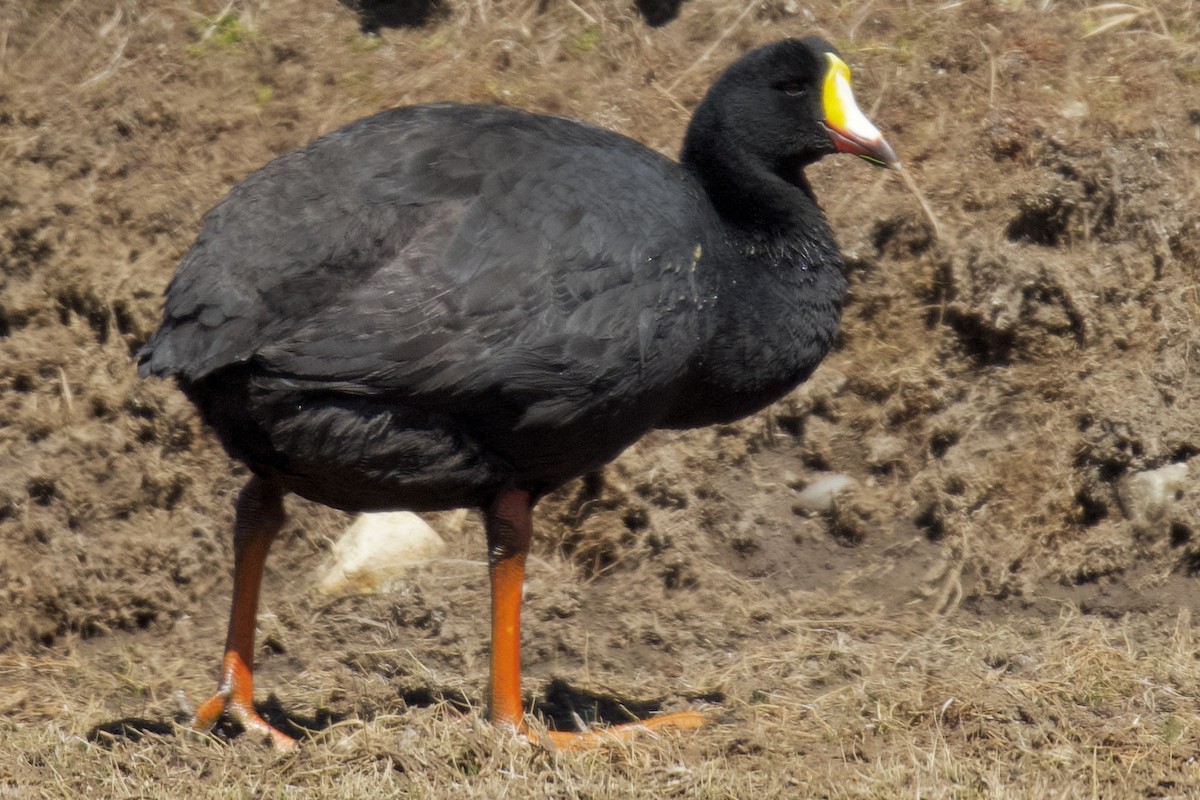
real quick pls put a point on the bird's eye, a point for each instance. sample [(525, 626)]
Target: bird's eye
[(791, 88)]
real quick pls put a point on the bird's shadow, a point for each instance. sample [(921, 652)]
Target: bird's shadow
[(561, 707), (567, 708), (298, 726), (132, 729), (376, 14), (658, 13)]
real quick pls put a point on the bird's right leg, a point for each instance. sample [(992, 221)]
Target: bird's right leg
[(509, 529), (259, 519)]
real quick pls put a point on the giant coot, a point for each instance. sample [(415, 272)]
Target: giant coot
[(454, 305)]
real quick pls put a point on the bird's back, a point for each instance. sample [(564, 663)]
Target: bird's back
[(531, 279)]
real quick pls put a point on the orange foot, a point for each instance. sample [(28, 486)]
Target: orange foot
[(589, 740), (235, 695)]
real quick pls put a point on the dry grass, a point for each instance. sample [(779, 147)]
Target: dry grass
[(1017, 339), (864, 706)]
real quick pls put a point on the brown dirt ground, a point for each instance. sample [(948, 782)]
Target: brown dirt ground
[(978, 619)]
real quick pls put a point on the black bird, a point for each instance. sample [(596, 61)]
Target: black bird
[(467, 306)]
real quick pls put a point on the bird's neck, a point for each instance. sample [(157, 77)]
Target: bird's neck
[(777, 285), (762, 201)]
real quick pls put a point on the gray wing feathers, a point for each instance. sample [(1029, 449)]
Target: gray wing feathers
[(506, 255)]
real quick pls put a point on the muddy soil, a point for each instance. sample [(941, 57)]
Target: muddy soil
[(1016, 350)]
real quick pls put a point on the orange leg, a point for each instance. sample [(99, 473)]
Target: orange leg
[(509, 528), (259, 518)]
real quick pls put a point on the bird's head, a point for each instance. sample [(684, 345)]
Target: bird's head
[(790, 103)]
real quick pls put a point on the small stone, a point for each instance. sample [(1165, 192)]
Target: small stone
[(1147, 498), (1075, 110), (818, 496), (885, 452), (376, 549)]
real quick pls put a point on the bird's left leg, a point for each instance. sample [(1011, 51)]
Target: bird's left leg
[(259, 519)]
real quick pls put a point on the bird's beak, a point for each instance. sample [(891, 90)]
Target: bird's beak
[(849, 128)]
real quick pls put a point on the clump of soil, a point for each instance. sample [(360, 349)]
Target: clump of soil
[(1017, 342)]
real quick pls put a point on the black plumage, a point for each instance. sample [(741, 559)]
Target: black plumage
[(436, 305)]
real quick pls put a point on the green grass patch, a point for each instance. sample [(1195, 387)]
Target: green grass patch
[(367, 43), (219, 32), (587, 39)]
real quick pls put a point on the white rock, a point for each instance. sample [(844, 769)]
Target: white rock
[(818, 496), (376, 549), (1147, 497), (1075, 110)]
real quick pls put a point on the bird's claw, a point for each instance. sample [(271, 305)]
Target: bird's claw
[(242, 711)]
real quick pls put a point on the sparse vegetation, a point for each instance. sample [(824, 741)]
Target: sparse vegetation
[(978, 619), (587, 39), (221, 32)]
